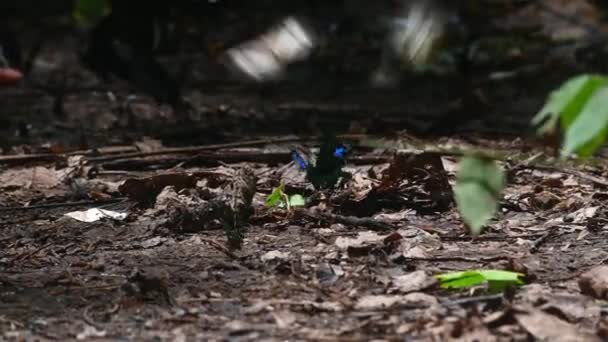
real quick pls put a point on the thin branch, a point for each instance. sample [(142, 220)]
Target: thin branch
[(63, 204)]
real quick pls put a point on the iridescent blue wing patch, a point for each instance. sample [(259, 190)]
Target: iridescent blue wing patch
[(299, 160), (340, 151)]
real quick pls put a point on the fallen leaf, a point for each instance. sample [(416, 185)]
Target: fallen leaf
[(275, 256), (595, 282), (90, 332), (38, 178), (413, 282), (546, 327), (581, 215), (96, 214), (363, 239), (379, 302), (329, 274), (146, 189), (153, 242), (284, 319), (10, 76)]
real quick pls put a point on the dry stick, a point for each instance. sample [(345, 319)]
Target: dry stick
[(457, 258), (20, 158), (63, 204), (179, 150), (577, 173), (473, 300), (31, 253), (220, 248), (539, 241), (88, 319), (194, 149)]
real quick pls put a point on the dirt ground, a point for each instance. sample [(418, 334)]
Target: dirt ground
[(354, 264)]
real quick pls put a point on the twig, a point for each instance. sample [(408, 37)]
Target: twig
[(577, 173), (457, 258), (21, 158), (220, 247), (88, 319), (473, 300), (27, 255), (63, 204), (39, 157), (194, 149), (538, 242)]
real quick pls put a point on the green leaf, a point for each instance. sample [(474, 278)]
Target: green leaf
[(566, 102), (496, 280), (457, 280), (276, 196), (481, 170), (90, 10), (297, 201), (479, 183), (588, 131), (501, 275)]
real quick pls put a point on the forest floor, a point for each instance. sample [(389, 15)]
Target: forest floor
[(354, 264)]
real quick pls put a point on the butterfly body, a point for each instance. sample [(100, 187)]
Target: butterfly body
[(325, 169)]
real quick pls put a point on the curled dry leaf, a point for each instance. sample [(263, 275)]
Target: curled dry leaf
[(145, 190), (275, 256), (595, 282), (379, 302), (9, 76), (546, 327), (413, 282)]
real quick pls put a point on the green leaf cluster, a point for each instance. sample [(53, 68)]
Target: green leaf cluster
[(479, 182), (85, 11), (580, 108), (496, 280), (278, 198)]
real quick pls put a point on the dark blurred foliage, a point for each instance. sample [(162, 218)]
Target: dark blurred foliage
[(127, 42)]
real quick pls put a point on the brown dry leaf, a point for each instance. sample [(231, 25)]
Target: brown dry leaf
[(549, 14), (423, 176), (146, 189), (478, 334), (546, 327), (364, 240), (544, 200), (37, 178), (420, 245), (379, 302), (595, 282), (360, 185), (412, 282), (148, 144), (581, 215), (399, 216), (284, 319), (275, 256)]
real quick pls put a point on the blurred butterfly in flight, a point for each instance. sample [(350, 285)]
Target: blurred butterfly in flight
[(325, 169)]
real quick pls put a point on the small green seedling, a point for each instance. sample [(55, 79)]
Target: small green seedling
[(580, 108), (85, 11), (479, 183), (278, 198), (495, 280)]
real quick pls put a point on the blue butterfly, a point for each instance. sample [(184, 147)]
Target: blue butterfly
[(303, 159), (324, 169), (340, 151)]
